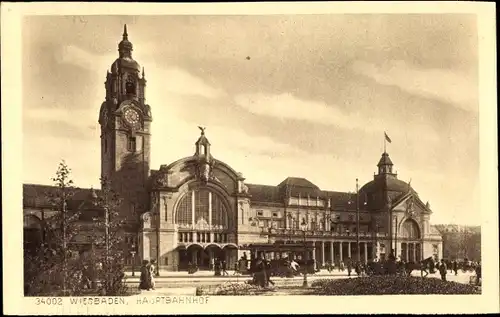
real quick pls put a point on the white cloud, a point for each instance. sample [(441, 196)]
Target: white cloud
[(87, 117), (170, 79), (288, 107), (446, 85), (71, 54), (180, 136), (176, 80)]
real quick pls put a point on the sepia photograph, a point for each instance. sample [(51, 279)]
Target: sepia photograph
[(187, 157)]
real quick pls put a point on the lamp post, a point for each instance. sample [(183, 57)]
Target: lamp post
[(358, 254), (396, 238), (133, 259), (376, 229), (290, 227), (306, 253)]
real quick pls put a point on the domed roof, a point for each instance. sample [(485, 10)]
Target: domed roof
[(385, 160), (125, 62), (393, 185)]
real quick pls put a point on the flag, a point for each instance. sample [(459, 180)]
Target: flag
[(387, 138)]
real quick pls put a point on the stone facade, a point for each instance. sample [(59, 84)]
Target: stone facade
[(198, 207)]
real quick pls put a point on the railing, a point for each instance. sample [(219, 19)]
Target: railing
[(202, 237), (321, 233)]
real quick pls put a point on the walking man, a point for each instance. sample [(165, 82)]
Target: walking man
[(442, 270), (455, 267), (478, 273), (349, 267), (224, 268)]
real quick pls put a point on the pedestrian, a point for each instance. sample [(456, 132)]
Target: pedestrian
[(86, 277), (455, 267), (144, 279), (443, 269), (152, 273), (217, 268), (224, 267), (349, 267), (268, 271), (294, 265), (478, 273), (358, 269)]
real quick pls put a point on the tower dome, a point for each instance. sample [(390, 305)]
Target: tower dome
[(385, 185), (125, 59)]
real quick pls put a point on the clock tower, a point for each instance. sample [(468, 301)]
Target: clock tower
[(125, 121)]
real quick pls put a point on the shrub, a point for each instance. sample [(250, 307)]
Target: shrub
[(390, 285), (231, 289)]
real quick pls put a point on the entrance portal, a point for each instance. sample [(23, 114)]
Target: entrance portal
[(203, 258)]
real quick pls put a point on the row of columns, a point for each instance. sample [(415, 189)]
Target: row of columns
[(349, 253)]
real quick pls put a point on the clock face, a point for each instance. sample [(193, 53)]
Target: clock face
[(132, 117)]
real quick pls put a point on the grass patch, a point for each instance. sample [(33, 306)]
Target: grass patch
[(390, 285), (231, 289)]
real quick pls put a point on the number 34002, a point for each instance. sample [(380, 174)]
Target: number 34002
[(48, 301)]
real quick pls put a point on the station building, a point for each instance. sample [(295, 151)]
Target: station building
[(199, 208)]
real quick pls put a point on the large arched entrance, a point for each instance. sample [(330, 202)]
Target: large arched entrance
[(411, 248), (203, 224)]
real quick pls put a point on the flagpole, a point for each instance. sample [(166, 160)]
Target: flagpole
[(385, 141)]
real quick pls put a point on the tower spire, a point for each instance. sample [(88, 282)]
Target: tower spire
[(125, 47), (125, 34)]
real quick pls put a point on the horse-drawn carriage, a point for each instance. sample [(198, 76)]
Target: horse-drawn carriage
[(278, 257), (389, 267)]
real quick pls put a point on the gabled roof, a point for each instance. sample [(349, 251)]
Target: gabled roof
[(37, 196), (297, 186), (264, 193)]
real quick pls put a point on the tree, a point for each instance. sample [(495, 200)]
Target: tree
[(108, 238), (55, 268), (49, 268)]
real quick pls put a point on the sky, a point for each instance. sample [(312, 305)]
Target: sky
[(280, 95)]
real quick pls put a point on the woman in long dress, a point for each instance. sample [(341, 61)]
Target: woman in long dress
[(152, 270)]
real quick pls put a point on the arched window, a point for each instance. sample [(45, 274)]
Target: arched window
[(410, 229), (204, 209), (130, 88)]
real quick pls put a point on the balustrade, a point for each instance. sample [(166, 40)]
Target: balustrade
[(320, 233), (202, 237)]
